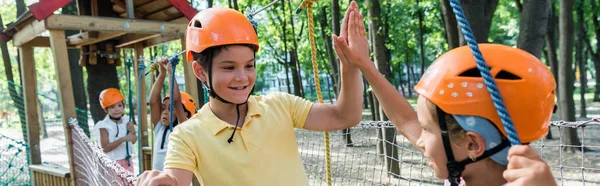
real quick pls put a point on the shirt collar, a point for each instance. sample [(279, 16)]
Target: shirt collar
[(216, 125)]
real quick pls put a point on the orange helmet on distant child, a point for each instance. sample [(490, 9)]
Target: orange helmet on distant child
[(110, 96), (187, 101), (526, 85), (218, 26)]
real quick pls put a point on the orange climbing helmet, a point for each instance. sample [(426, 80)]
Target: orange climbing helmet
[(218, 26), (187, 101), (110, 96), (526, 85)]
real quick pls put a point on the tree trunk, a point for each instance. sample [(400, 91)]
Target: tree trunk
[(330, 53), (335, 26), (294, 58), (77, 75), (102, 75), (381, 60), (450, 24), (479, 14), (581, 59), (595, 55), (551, 43), (210, 3), (565, 100), (421, 43), (533, 23)]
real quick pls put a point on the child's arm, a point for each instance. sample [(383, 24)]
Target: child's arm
[(155, 96), (347, 111), (177, 106), (394, 105), (525, 167), (170, 177), (106, 146)]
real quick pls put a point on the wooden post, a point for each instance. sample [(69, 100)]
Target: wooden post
[(58, 44), (30, 98), (191, 87), (143, 122)]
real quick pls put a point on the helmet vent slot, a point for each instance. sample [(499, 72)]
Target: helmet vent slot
[(507, 75), (474, 72), (197, 24)]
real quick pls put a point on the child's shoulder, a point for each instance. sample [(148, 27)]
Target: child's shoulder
[(272, 96)]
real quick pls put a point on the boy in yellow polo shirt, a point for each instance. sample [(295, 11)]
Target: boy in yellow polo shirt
[(238, 139)]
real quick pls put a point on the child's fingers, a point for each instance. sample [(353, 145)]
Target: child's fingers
[(362, 29), (344, 31), (523, 150), (351, 26), (517, 162), (515, 174), (519, 182), (337, 46)]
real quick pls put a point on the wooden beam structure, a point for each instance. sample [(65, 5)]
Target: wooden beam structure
[(88, 38), (28, 32), (135, 38), (91, 23), (143, 122), (65, 88), (30, 98), (160, 40), (43, 41)]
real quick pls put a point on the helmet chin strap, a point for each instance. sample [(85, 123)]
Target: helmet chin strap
[(455, 168), (115, 118)]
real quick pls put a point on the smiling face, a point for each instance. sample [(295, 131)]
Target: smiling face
[(233, 73)]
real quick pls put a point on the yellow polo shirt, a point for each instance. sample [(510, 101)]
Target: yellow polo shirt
[(264, 151)]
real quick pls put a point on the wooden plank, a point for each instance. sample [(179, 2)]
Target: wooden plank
[(135, 38), (191, 87), (181, 19), (143, 121), (164, 14), (160, 40), (90, 23), (43, 41), (65, 88), (54, 171), (88, 38), (28, 32), (30, 98), (151, 6)]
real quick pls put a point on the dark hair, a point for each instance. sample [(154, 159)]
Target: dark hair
[(207, 55)]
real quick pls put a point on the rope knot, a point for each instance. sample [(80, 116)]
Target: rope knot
[(174, 61)]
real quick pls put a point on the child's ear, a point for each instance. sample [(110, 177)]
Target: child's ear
[(475, 144), (199, 71)]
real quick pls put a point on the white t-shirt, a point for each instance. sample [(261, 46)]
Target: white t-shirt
[(161, 141), (115, 131)]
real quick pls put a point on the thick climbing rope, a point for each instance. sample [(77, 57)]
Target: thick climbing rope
[(141, 67), (485, 73), (128, 65), (174, 61), (311, 31)]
